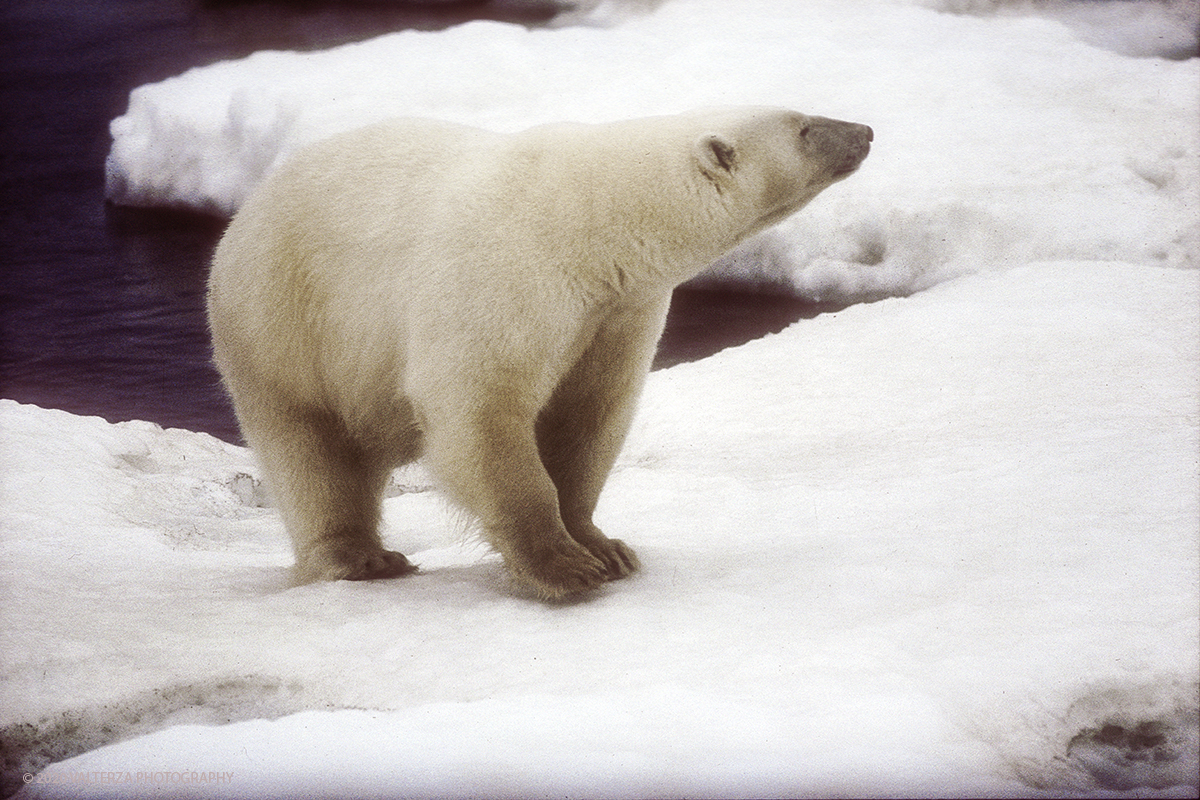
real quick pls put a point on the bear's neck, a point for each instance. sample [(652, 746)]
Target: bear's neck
[(657, 219), (650, 220)]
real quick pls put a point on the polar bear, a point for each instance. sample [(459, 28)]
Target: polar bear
[(490, 302)]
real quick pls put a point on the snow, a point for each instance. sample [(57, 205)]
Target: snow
[(927, 546), (942, 544)]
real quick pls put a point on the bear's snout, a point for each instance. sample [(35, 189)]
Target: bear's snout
[(841, 145)]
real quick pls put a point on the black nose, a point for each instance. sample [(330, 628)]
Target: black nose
[(857, 136), (833, 135)]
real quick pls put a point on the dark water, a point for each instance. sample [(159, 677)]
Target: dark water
[(101, 308)]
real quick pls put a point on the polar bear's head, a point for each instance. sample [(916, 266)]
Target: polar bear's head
[(767, 163)]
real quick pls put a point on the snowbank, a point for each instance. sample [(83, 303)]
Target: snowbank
[(939, 545), (1140, 28), (1001, 137)]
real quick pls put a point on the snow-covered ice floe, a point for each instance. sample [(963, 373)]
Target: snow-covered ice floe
[(1001, 137), (942, 545)]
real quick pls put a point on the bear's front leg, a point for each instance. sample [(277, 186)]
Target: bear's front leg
[(487, 461), (581, 429)]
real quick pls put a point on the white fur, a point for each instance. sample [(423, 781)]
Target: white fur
[(489, 301)]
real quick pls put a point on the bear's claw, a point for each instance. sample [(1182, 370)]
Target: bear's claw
[(618, 558), (384, 564)]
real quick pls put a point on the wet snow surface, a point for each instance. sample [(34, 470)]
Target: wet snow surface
[(940, 544)]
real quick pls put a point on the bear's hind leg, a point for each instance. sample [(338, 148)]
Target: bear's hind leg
[(329, 489)]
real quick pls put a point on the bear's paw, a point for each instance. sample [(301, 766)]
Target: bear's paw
[(560, 570), (352, 563), (618, 558)]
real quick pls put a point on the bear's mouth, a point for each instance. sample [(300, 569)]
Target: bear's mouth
[(852, 162), (847, 167)]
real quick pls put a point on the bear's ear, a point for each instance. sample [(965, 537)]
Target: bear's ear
[(718, 157)]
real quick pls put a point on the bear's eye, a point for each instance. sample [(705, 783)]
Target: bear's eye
[(804, 132)]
